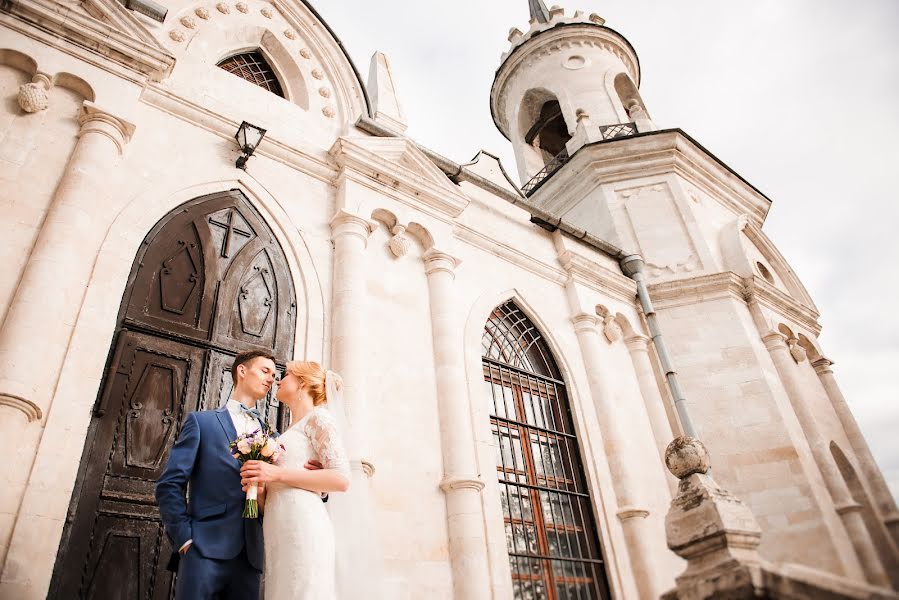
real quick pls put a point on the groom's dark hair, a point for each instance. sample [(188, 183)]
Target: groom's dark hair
[(248, 356)]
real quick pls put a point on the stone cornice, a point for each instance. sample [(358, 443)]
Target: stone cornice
[(652, 154), (388, 162), (680, 292), (271, 147), (50, 21), (597, 277), (453, 483), (508, 253), (31, 410)]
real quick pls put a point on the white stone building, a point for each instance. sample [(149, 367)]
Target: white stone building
[(464, 314)]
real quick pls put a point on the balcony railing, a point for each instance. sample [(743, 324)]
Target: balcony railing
[(551, 167), (608, 132)]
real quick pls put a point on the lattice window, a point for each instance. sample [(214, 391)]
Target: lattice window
[(253, 67), (551, 537)]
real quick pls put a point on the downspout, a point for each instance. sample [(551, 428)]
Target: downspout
[(632, 266)]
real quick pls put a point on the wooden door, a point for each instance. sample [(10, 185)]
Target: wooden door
[(209, 281)]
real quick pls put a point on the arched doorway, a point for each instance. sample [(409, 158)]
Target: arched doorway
[(209, 280)]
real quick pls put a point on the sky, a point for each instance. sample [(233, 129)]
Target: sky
[(801, 97)]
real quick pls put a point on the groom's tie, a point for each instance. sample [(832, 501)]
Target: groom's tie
[(251, 411)]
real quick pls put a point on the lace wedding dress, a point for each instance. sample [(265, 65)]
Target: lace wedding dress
[(299, 537)]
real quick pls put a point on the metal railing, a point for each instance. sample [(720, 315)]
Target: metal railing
[(551, 167), (609, 132)]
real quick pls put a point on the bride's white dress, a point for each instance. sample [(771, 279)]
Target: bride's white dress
[(299, 537)]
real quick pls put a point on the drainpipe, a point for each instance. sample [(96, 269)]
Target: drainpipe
[(632, 266)]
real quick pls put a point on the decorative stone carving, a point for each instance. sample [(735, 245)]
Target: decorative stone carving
[(266, 12), (223, 8), (685, 456), (796, 351), (328, 111), (305, 53), (202, 12), (188, 21), (177, 35), (399, 244), (290, 34), (611, 329), (33, 97), (242, 7), (324, 92), (317, 74)]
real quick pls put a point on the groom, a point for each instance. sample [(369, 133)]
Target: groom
[(220, 552)]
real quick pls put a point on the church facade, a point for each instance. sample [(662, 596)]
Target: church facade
[(516, 361)]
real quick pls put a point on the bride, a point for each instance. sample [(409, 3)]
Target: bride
[(299, 538)]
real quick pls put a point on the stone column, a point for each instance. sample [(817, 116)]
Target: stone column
[(848, 509), (638, 346), (461, 482), (882, 495), (358, 564), (633, 508), (35, 335)]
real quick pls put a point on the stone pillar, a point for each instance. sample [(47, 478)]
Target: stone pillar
[(619, 445), (848, 509), (35, 335), (358, 560), (638, 346), (882, 495), (712, 529), (461, 482)]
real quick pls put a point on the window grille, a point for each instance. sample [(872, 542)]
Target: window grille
[(253, 67), (551, 537)]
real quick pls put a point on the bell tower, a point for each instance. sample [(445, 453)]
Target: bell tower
[(565, 82)]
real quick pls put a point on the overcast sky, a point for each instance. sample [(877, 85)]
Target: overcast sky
[(801, 97)]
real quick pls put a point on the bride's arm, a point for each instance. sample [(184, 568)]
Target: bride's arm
[(333, 477)]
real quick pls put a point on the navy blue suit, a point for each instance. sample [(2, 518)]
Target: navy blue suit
[(227, 553)]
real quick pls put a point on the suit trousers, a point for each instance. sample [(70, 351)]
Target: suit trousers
[(201, 578)]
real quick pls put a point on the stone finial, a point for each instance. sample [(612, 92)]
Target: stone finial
[(515, 34), (384, 97), (539, 14), (685, 456), (556, 12)]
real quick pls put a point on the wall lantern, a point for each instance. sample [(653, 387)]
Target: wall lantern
[(248, 137)]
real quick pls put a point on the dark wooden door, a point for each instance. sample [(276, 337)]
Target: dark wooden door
[(209, 281)]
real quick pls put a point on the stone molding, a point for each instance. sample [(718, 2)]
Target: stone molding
[(663, 152), (398, 169), (847, 507), (346, 223), (508, 253), (597, 277), (823, 366), (301, 159), (680, 292), (637, 343), (31, 410), (122, 39), (585, 322), (94, 119), (437, 261), (631, 512), (461, 482)]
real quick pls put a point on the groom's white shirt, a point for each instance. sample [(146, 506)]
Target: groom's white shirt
[(243, 423)]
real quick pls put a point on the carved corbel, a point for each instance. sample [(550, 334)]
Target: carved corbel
[(33, 97)]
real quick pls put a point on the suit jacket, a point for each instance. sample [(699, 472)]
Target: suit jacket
[(201, 461)]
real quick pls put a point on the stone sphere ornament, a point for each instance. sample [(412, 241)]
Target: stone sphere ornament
[(685, 456)]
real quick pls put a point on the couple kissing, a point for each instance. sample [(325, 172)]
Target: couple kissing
[(221, 554)]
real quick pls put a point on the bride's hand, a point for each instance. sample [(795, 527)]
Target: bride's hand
[(259, 472)]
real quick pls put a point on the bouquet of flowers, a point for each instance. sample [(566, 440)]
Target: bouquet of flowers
[(257, 445)]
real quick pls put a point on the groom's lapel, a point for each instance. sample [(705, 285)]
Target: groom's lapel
[(226, 423)]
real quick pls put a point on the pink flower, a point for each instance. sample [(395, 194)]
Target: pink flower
[(243, 447), (270, 448)]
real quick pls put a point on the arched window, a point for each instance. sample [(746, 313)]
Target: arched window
[(253, 67), (549, 133), (551, 537)]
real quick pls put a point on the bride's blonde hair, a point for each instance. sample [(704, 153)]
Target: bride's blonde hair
[(312, 376)]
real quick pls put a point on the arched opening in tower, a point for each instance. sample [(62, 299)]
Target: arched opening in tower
[(549, 133)]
